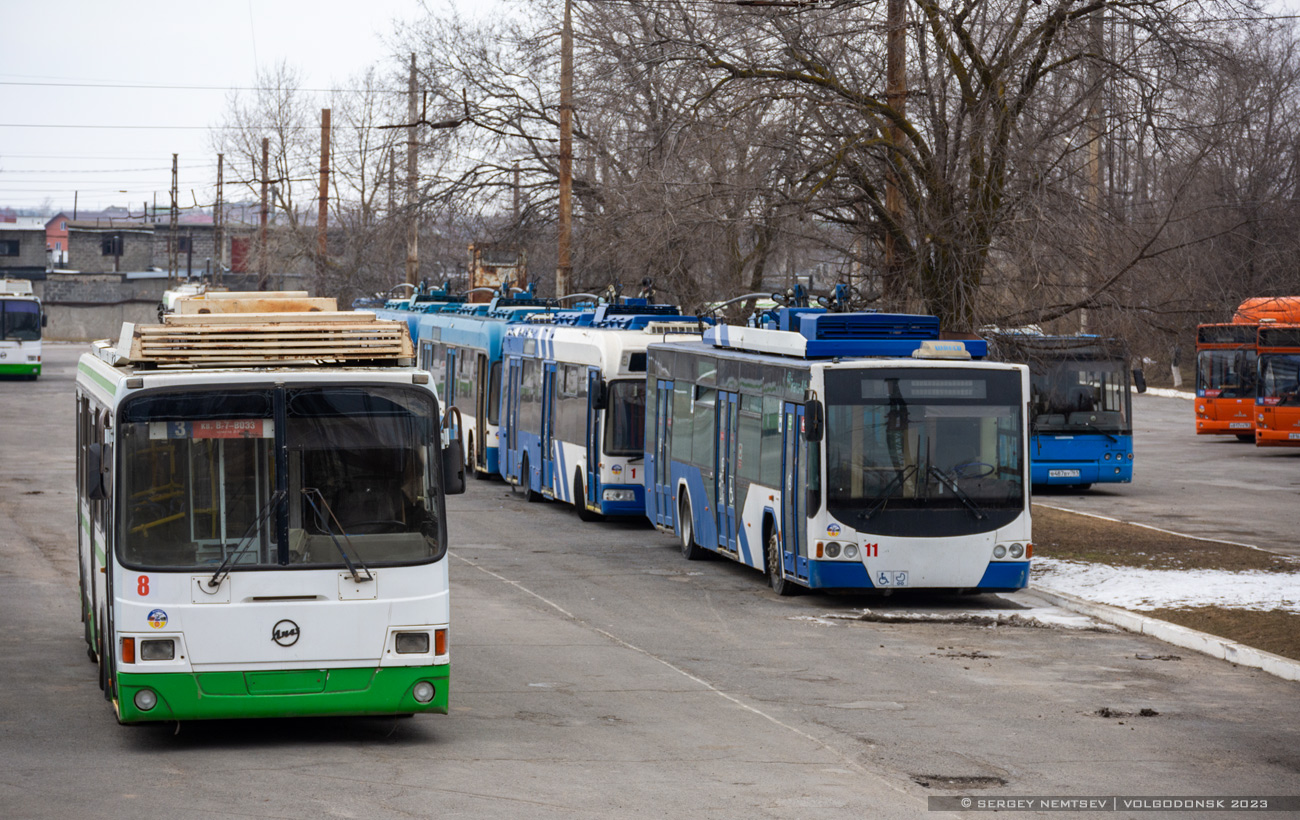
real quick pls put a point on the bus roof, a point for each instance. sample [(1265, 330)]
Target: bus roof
[(813, 333)]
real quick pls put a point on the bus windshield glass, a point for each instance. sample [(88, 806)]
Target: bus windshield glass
[(1279, 382), (20, 320), (928, 439), (202, 486), (1227, 374), (625, 418), (1079, 396)]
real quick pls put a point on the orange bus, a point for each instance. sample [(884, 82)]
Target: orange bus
[(1277, 402), (1226, 366)]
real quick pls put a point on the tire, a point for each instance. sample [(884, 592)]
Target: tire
[(526, 478), (102, 660), (580, 501), (775, 574), (691, 551)]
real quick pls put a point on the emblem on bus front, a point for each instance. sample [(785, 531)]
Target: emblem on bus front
[(285, 633)]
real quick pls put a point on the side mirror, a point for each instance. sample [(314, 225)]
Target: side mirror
[(813, 421), (1140, 380), (45, 320), (453, 468), (97, 455), (600, 395)]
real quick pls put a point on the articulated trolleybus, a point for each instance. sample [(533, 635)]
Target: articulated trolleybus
[(263, 530), (573, 409), (1081, 406), (21, 321), (843, 450)]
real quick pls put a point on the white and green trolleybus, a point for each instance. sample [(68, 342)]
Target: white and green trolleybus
[(262, 521), (21, 322)]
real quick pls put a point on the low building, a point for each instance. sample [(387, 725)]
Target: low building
[(22, 248)]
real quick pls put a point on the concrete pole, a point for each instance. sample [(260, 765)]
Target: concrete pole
[(412, 168)]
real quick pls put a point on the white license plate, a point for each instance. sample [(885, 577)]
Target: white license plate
[(1062, 473), (1293, 436), (1239, 425)]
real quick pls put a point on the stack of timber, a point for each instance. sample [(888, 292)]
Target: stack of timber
[(265, 329)]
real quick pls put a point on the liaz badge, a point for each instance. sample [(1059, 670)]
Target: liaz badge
[(157, 619)]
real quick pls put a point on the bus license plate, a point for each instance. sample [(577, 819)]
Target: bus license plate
[(1062, 473), (1239, 425), (1294, 436)]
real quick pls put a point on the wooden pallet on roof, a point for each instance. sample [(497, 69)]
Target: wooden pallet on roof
[(267, 339)]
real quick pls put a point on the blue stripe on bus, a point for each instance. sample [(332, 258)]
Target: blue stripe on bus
[(1005, 575), (834, 574)]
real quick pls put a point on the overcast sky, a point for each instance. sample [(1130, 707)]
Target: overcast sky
[(112, 144)]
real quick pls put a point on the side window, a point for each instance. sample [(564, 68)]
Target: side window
[(770, 459), (681, 446), (703, 426), (750, 424)]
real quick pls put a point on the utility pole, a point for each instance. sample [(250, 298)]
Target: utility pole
[(266, 181), (218, 218), (1095, 132), (173, 247), (412, 167), (564, 269), (896, 99), (323, 217)]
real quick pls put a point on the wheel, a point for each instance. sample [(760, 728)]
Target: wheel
[(526, 478), (580, 501), (775, 574), (691, 551), (102, 659), (470, 464)]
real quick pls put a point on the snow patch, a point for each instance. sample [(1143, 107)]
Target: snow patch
[(1146, 589)]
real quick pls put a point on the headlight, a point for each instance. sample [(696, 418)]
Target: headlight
[(999, 551), (618, 495), (850, 550), (1017, 550), (157, 650), (833, 549), (145, 700), (423, 691), (412, 643)]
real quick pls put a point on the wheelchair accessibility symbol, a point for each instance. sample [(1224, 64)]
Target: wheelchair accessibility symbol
[(891, 578)]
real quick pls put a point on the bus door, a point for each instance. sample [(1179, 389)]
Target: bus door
[(794, 523), (548, 426), (481, 390), (661, 451), (592, 438), (450, 398), (510, 418), (724, 473)]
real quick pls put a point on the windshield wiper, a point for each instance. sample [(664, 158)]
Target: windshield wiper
[(224, 568), (951, 483), (324, 524), (883, 496)]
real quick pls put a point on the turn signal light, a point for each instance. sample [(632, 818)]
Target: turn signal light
[(128, 650), (440, 642)]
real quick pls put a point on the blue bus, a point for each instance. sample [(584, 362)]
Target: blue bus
[(460, 346), (842, 450), (424, 299), (573, 408), (1081, 406)]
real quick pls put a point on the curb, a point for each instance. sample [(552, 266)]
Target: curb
[(1180, 636)]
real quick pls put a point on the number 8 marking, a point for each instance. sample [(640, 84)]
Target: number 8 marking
[(142, 585)]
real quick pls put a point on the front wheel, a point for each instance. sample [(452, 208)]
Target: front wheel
[(775, 573), (526, 478), (691, 551), (580, 501)]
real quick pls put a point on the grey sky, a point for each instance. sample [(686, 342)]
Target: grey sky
[(58, 136)]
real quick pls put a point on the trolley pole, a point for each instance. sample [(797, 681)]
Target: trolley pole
[(564, 269)]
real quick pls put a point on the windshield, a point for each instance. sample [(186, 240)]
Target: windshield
[(1227, 374), (202, 484), (625, 419), (920, 441), (1279, 382), (20, 320), (1087, 396)]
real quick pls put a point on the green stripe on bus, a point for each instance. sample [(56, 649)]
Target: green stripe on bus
[(20, 369), (208, 695), (103, 382)]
